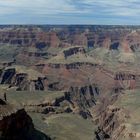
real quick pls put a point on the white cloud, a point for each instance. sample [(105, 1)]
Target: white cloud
[(70, 8), (48, 7), (110, 2), (116, 7)]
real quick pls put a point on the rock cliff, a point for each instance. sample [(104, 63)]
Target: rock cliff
[(16, 124)]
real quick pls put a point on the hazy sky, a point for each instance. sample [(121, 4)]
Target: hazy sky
[(70, 12)]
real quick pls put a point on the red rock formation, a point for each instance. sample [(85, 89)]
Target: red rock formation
[(107, 43), (125, 81), (124, 44), (80, 40), (54, 40)]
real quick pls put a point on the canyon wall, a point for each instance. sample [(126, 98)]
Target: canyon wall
[(16, 124)]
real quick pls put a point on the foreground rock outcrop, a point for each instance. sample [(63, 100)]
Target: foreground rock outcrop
[(16, 124)]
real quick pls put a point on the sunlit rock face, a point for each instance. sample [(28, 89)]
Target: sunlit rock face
[(64, 36)]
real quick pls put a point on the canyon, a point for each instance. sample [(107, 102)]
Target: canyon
[(69, 82)]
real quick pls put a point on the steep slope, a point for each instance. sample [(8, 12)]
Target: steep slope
[(16, 124)]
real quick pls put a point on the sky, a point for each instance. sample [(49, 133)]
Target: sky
[(103, 12)]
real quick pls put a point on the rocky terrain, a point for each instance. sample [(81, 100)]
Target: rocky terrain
[(16, 124), (74, 82)]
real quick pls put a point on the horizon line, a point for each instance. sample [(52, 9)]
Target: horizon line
[(46, 24)]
